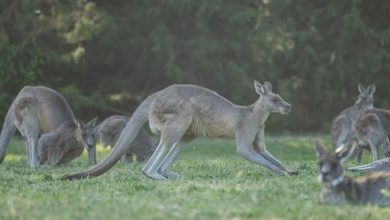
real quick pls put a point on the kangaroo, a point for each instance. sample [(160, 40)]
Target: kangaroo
[(373, 189), (373, 128), (89, 138), (46, 121), (342, 126), (182, 112), (109, 130)]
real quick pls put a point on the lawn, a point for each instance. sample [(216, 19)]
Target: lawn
[(216, 183)]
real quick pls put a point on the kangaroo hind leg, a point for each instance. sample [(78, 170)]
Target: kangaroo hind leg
[(172, 131), (26, 112), (127, 157), (169, 138), (31, 131), (46, 145), (70, 154), (7, 132), (151, 168), (165, 167)]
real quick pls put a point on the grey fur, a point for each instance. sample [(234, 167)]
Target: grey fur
[(342, 126), (46, 121), (337, 188), (183, 112), (108, 132), (373, 128)]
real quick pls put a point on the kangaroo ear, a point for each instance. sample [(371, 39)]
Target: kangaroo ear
[(371, 89), (259, 88), (268, 86), (79, 123), (92, 123), (320, 149), (361, 88)]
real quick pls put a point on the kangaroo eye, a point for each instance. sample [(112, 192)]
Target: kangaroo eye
[(275, 100)]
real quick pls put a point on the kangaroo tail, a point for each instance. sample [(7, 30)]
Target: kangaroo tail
[(378, 165), (7, 132), (129, 133)]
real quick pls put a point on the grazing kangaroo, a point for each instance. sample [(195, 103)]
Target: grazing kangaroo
[(373, 128), (108, 132), (183, 112), (46, 121), (342, 126), (373, 189), (89, 137)]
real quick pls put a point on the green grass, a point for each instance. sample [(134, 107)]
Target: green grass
[(216, 183)]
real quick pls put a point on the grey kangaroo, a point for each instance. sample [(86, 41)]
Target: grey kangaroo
[(372, 189), (342, 126), (373, 128), (108, 132), (183, 112), (46, 121)]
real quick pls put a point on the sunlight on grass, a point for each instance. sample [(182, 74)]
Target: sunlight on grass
[(14, 157), (99, 150)]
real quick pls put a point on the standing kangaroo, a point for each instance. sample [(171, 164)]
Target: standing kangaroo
[(342, 126), (372, 189), (46, 121), (183, 112), (109, 130), (373, 128)]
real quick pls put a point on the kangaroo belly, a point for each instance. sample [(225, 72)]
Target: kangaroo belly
[(210, 128), (375, 189)]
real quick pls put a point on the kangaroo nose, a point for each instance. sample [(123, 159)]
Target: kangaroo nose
[(287, 108)]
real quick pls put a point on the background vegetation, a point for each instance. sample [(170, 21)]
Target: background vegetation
[(107, 56)]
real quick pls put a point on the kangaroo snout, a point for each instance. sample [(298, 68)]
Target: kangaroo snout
[(90, 146), (286, 109)]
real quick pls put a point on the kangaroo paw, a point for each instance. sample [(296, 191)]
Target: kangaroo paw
[(293, 172), (353, 169)]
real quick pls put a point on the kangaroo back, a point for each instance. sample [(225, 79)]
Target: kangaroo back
[(26, 105), (7, 132), (110, 129), (39, 112), (131, 130)]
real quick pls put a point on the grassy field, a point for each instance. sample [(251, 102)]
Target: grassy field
[(216, 183)]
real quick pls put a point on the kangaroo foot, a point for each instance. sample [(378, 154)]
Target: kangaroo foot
[(154, 175), (170, 175)]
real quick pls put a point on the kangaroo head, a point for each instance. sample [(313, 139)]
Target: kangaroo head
[(366, 98), (330, 166), (87, 133), (271, 101)]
